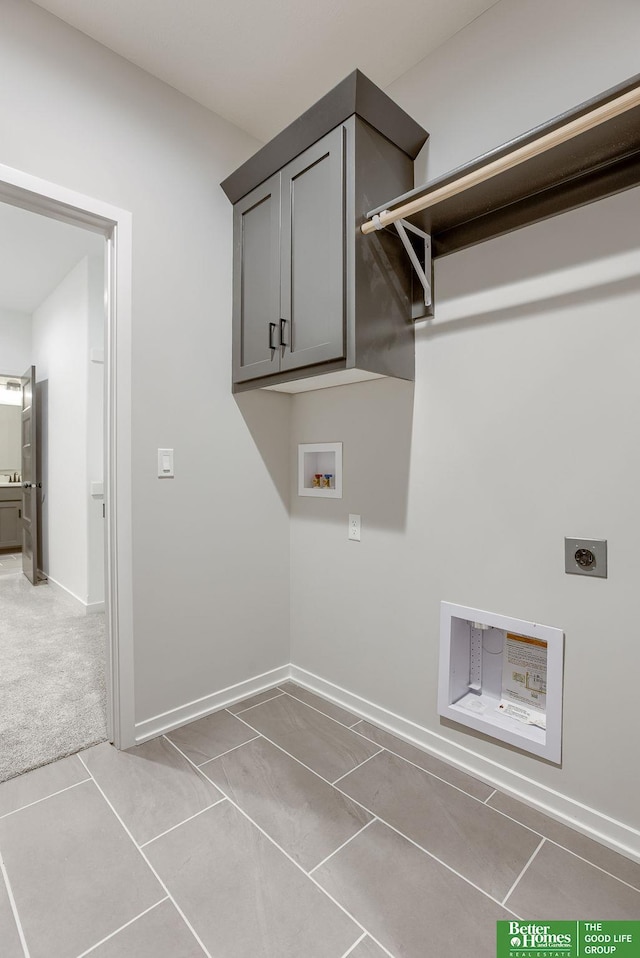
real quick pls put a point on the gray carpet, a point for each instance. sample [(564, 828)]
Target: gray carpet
[(52, 676)]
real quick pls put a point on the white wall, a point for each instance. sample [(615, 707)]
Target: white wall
[(211, 547), (15, 342), (521, 429), (60, 355)]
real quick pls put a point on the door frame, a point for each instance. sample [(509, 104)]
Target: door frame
[(115, 224)]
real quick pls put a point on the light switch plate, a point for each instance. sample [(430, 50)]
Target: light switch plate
[(165, 463), (597, 548)]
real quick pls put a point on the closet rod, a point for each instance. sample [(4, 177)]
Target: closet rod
[(581, 124)]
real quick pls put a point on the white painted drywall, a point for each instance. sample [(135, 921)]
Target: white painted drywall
[(15, 342), (60, 355), (210, 547), (522, 427), (66, 327)]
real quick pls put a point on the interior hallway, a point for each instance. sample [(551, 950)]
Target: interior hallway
[(283, 826)]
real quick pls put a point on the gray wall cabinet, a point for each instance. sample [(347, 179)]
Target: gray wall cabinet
[(288, 266), (314, 301), (256, 282)]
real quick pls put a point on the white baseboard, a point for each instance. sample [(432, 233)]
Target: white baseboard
[(596, 825), (88, 608), (167, 721), (92, 608)]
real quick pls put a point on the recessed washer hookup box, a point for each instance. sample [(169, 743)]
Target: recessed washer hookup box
[(503, 677)]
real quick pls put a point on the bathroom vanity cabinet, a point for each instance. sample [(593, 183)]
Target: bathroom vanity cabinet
[(10, 517)]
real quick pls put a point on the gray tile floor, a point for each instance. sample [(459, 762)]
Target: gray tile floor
[(283, 827)]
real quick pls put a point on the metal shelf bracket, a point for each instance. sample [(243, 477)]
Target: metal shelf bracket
[(420, 257)]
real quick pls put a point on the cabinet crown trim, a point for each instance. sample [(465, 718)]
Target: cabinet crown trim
[(356, 94)]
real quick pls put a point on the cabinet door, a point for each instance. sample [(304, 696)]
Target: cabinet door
[(256, 282), (10, 526), (312, 250)]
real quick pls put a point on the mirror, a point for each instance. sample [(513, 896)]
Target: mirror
[(10, 428)]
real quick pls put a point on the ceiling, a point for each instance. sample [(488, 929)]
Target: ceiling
[(261, 64), (36, 253)]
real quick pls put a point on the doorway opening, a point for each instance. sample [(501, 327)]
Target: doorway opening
[(100, 466), (52, 655)]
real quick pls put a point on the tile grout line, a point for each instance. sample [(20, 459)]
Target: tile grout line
[(427, 772), (517, 881), (191, 817), (433, 774), (319, 711), (228, 750), (480, 802), (287, 855), (504, 814), (404, 759), (444, 780), (449, 868), (593, 864), (339, 779), (392, 827), (500, 812), (44, 798), (346, 795), (122, 927), (14, 908), (350, 950), (308, 767), (249, 707), (150, 866), (569, 851), (340, 847)]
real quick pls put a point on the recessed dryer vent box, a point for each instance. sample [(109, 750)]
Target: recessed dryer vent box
[(503, 677)]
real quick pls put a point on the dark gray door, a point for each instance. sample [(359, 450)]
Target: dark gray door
[(29, 478), (256, 282), (312, 244)]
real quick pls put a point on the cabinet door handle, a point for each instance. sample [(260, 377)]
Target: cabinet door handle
[(272, 327), (283, 323)]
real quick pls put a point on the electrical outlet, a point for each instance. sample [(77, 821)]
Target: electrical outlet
[(354, 528), (586, 557)]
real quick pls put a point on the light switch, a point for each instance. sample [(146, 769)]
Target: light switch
[(165, 463)]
